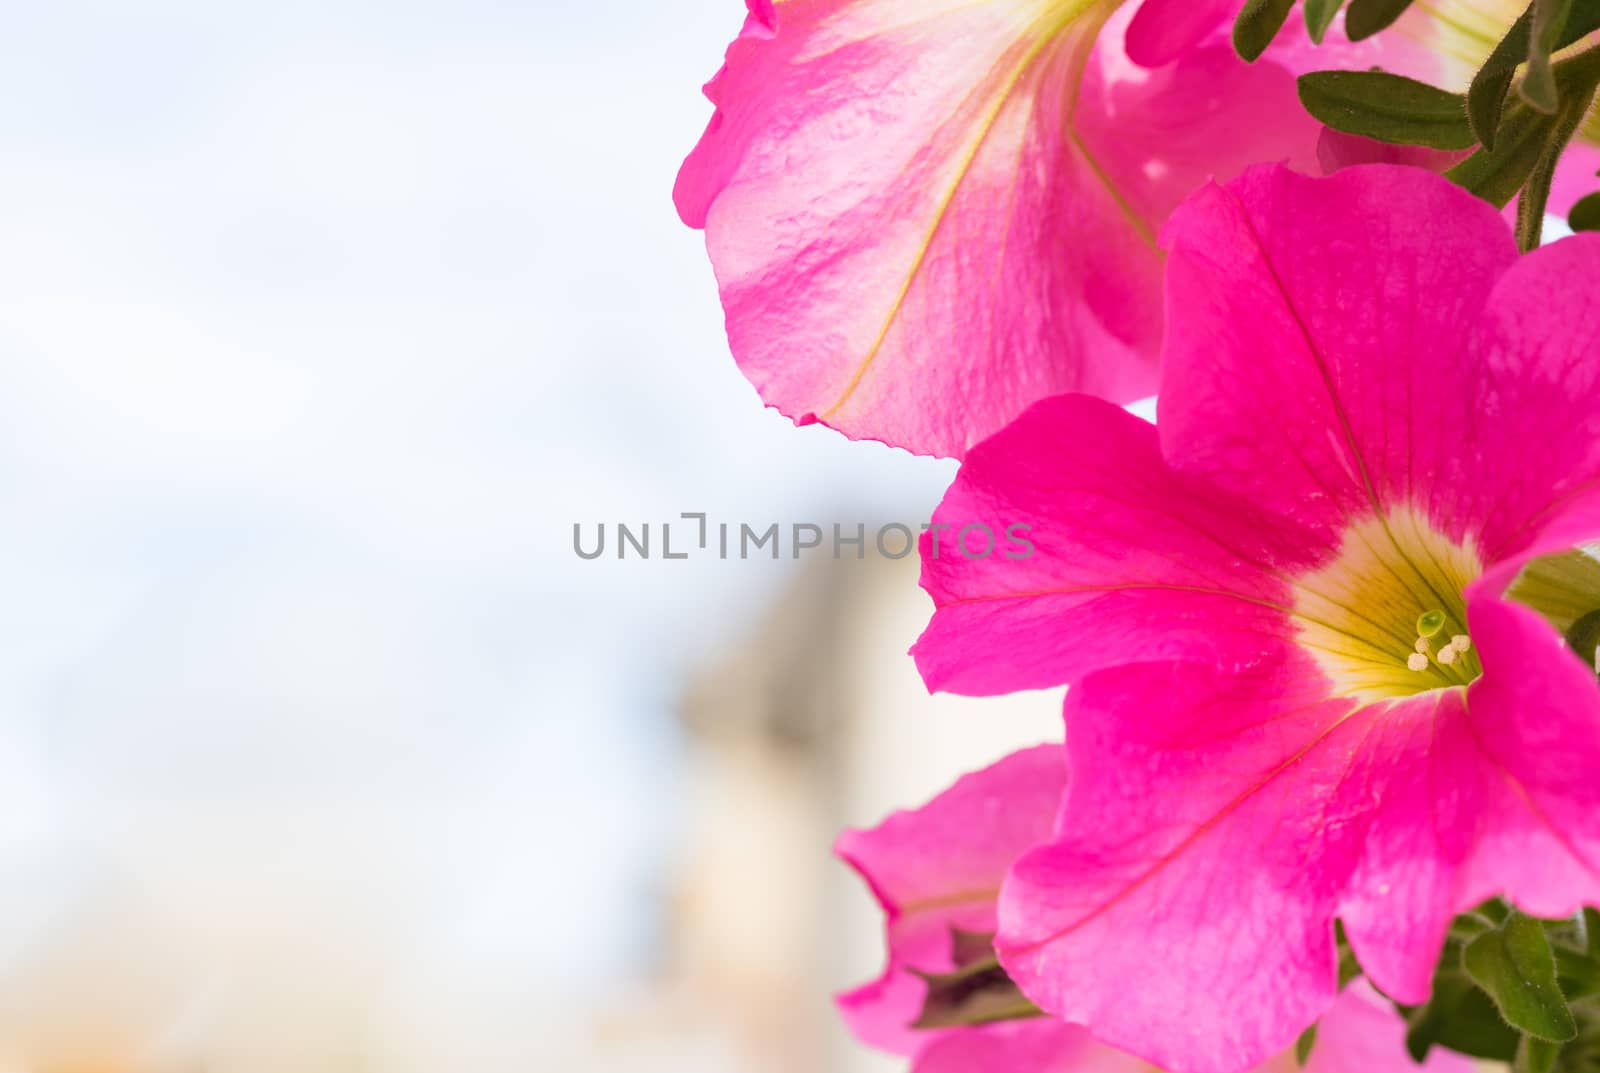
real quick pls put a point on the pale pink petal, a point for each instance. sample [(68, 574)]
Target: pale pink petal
[(909, 243), (1319, 330), (1163, 30), (1168, 568), (940, 867), (880, 1013), (1206, 116), (1337, 150), (1037, 1046), (1362, 1033), (925, 216), (1401, 53), (1577, 175)]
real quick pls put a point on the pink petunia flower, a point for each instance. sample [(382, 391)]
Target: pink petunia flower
[(940, 868), (926, 214), (1313, 625)]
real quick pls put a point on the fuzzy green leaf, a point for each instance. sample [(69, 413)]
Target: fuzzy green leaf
[(1539, 83), (1258, 23), (1388, 107), (1304, 1045), (1367, 17), (1319, 16), (1515, 966)]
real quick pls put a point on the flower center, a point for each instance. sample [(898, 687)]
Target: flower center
[(1386, 618)]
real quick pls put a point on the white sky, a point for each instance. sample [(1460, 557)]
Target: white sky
[(321, 324)]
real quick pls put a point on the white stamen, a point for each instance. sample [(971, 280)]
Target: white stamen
[(1418, 662), (1460, 642), (1447, 655), (1422, 645)]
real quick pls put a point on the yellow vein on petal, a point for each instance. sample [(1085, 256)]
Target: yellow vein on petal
[(1046, 40), (947, 901), (1080, 63)]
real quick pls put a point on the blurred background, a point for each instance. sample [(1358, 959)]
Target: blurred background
[(322, 326)]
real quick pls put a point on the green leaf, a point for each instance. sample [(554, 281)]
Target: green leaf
[(1349, 967), (1591, 917), (1460, 1017), (1539, 83), (1367, 17), (1303, 1046), (1536, 1056), (1469, 926), (1258, 23), (1578, 973), (1487, 93), (1319, 15), (1515, 966), (1497, 174), (1487, 96), (1583, 635), (1387, 107)]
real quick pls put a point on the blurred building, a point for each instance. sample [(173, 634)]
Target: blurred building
[(258, 940), (817, 721)]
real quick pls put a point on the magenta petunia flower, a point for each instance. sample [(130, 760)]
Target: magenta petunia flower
[(938, 869), (926, 214), (1313, 626), (937, 872)]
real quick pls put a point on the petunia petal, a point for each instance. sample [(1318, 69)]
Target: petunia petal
[(1362, 1033), (1224, 818), (1303, 370), (1527, 465), (1576, 175), (905, 233), (1534, 718), (1129, 561), (940, 867), (926, 214), (1037, 1046), (1490, 796), (1163, 30), (1195, 873), (1337, 150), (1207, 115)]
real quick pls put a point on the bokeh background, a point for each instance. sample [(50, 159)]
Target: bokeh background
[(321, 325)]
